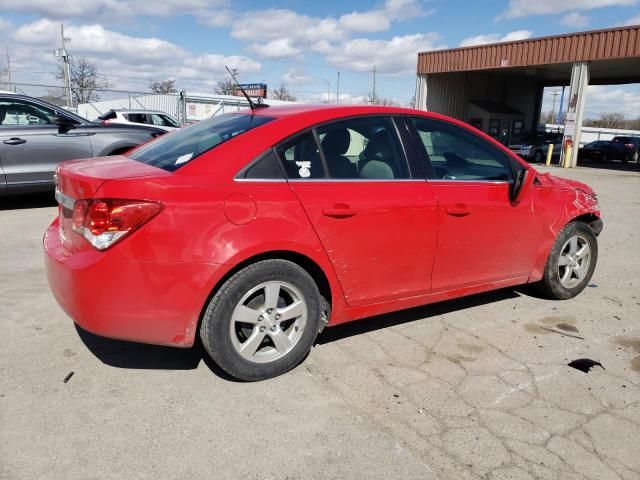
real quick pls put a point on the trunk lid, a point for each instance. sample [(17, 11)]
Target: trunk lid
[(83, 178)]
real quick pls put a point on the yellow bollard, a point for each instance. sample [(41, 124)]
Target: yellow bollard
[(567, 154), (549, 153)]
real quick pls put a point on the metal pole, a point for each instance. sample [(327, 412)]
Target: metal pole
[(65, 67), (559, 119), (338, 89), (9, 69), (373, 95)]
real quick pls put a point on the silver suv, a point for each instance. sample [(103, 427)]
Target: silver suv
[(35, 136)]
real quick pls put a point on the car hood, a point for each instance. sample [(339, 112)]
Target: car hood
[(564, 183)]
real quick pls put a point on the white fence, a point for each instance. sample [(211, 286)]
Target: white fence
[(186, 106)]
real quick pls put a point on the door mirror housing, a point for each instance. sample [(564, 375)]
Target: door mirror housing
[(64, 122), (520, 183)]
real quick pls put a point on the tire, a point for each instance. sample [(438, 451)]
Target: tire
[(245, 328), (537, 157), (558, 282)]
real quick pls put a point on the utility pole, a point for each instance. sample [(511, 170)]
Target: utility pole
[(555, 93), (9, 70), (338, 90), (66, 70), (373, 95)]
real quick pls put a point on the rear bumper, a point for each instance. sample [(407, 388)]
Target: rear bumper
[(112, 296)]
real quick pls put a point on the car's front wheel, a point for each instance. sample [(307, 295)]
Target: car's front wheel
[(571, 262), (263, 321)]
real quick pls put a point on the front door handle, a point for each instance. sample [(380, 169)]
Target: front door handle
[(339, 210), (14, 141), (458, 210)]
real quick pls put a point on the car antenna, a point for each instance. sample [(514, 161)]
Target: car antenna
[(251, 104)]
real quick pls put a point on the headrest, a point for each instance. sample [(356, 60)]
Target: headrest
[(379, 148), (336, 142)]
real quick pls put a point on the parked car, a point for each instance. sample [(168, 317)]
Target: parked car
[(632, 145), (256, 229), (603, 150), (35, 136), (140, 117), (534, 147)]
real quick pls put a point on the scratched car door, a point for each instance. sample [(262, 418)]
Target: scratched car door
[(376, 220)]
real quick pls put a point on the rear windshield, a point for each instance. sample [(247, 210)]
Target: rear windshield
[(174, 150)]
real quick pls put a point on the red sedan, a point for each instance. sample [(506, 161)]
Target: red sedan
[(258, 228)]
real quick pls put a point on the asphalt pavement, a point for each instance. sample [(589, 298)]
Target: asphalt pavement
[(476, 388)]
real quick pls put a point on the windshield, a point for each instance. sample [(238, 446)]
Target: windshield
[(172, 151)]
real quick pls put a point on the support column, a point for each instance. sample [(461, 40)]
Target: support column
[(421, 92), (575, 109)]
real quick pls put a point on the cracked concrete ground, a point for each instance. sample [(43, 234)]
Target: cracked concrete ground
[(477, 388)]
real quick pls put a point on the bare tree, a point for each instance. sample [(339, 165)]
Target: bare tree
[(85, 80), (224, 87), (163, 86), (281, 93), (376, 100), (608, 120)]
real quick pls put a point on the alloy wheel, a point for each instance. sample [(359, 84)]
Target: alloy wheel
[(574, 261), (268, 321)]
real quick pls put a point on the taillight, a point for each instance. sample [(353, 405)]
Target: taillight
[(105, 122), (102, 222), (629, 146)]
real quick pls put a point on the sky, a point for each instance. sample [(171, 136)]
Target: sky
[(299, 44)]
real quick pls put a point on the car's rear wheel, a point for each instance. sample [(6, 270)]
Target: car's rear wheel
[(571, 262), (263, 321)]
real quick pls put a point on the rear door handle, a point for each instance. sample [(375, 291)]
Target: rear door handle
[(14, 141), (339, 211), (458, 210)]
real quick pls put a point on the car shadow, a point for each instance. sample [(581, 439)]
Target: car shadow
[(131, 355), (425, 312), (24, 201), (613, 165)]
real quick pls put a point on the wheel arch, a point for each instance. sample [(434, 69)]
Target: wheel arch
[(311, 266)]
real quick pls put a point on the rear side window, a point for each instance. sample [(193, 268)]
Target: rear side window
[(364, 148), (137, 117), (172, 151)]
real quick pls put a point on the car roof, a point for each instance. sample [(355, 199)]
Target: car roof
[(128, 110), (283, 111)]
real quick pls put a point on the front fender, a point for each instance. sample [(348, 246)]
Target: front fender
[(554, 208)]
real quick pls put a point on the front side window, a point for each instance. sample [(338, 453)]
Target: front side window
[(364, 148), (301, 158), (170, 152), (21, 113), (456, 154), (163, 120)]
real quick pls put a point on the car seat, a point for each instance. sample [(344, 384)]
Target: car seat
[(334, 145), (379, 158)]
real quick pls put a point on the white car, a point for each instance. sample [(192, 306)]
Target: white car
[(140, 117)]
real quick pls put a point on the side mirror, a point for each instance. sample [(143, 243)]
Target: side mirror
[(520, 184), (65, 123)]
